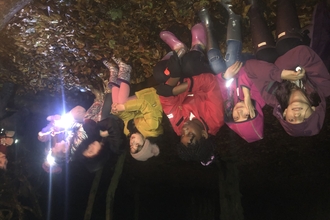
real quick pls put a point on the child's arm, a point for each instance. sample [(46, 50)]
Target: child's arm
[(248, 102)]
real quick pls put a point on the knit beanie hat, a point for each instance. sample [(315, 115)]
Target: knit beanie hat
[(148, 150)]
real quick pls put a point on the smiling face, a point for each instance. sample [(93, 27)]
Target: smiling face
[(136, 142), (192, 131), (240, 112), (299, 108)]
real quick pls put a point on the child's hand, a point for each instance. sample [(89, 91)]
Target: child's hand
[(233, 70), (292, 75), (117, 108), (249, 105)]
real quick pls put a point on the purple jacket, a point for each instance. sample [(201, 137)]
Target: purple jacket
[(252, 129), (265, 75)]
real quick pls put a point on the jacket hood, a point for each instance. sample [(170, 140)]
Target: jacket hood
[(310, 127), (252, 129)]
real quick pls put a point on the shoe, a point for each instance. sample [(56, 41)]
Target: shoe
[(124, 73), (198, 37), (113, 73), (172, 41), (205, 18)]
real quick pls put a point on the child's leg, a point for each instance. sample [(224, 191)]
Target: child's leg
[(216, 61), (115, 94), (124, 76), (123, 93), (234, 36)]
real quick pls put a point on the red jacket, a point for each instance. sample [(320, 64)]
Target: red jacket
[(203, 99)]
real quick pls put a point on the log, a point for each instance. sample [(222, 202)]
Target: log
[(9, 8)]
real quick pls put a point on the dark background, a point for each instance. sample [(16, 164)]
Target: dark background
[(280, 177)]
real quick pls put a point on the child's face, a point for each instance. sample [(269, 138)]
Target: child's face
[(299, 108), (3, 161), (135, 141), (92, 150), (192, 131), (240, 112)]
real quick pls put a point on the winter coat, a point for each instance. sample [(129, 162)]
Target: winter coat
[(202, 99), (267, 75), (252, 129), (146, 111)]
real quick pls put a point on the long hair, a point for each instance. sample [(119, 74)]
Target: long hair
[(285, 89), (200, 151)]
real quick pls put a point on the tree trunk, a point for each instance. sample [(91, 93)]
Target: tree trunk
[(8, 9)]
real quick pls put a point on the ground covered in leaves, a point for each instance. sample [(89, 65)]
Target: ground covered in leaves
[(55, 46)]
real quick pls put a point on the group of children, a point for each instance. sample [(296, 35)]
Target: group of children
[(199, 91)]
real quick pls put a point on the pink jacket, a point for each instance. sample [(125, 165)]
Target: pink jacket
[(252, 129)]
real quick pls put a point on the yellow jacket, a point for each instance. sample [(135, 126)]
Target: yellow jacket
[(146, 111)]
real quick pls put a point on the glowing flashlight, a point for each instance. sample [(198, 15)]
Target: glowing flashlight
[(228, 82), (50, 159), (65, 121), (298, 68)]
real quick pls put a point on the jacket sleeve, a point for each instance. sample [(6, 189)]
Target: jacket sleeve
[(116, 139), (265, 76), (315, 69)]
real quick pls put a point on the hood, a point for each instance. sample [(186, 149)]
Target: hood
[(250, 130)]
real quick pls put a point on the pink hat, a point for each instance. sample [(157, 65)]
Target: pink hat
[(148, 150)]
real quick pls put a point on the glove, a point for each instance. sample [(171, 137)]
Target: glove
[(174, 66), (164, 90)]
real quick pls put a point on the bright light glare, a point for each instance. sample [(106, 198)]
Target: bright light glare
[(16, 141), (228, 82), (50, 159), (65, 121)]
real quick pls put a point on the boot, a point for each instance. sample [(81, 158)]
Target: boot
[(172, 41), (234, 25), (214, 55), (262, 38), (287, 22), (287, 26), (113, 74), (198, 37), (207, 22), (234, 36), (124, 73)]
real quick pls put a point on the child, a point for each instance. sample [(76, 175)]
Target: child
[(190, 96), (141, 113), (297, 82), (242, 101)]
